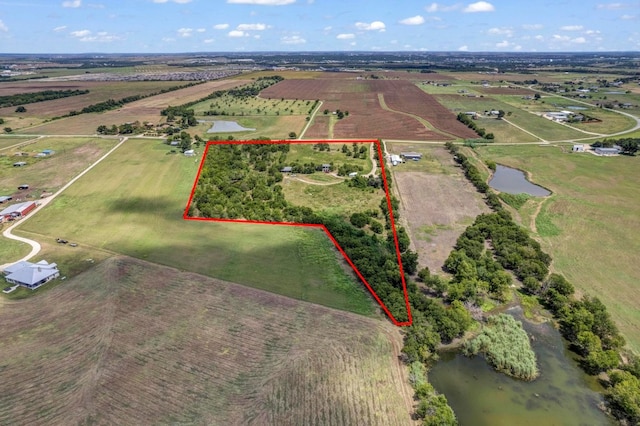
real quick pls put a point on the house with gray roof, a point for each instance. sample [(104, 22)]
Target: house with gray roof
[(31, 275)]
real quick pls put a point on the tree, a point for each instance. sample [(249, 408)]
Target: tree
[(629, 146), (537, 96), (8, 130), (501, 114), (292, 135), (21, 109), (1, 121), (359, 219), (325, 112)]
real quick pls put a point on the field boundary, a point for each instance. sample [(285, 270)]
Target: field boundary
[(319, 225)]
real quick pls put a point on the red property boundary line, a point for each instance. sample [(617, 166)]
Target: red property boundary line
[(376, 143)]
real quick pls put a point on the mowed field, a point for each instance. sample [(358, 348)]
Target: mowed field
[(590, 224), (72, 155), (130, 342), (132, 203), (367, 118), (147, 109), (437, 202)]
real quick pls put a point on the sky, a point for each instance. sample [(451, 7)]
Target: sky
[(174, 26)]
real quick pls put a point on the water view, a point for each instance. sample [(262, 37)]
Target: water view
[(226, 127), (514, 181), (562, 395)]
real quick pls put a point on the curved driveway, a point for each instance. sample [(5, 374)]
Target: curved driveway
[(35, 246)]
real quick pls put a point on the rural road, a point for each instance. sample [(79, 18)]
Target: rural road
[(313, 115), (35, 246)]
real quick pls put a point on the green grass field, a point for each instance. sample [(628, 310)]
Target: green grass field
[(535, 124), (72, 155), (232, 106), (132, 203), (274, 127), (11, 250), (304, 153), (589, 225)]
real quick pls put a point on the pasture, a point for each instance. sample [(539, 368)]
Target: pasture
[(129, 342), (228, 105), (136, 209), (273, 127), (590, 223), (72, 155)]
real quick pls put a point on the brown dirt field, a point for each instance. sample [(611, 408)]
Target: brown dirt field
[(506, 91), (147, 109), (435, 207), (129, 342), (367, 119)]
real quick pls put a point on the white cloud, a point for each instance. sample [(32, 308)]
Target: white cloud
[(532, 26), (571, 28), (295, 39), (345, 36), (503, 44), (501, 31), (329, 28), (628, 17), (436, 7), (373, 26), (262, 2), (353, 43), (168, 39), (185, 32), (175, 1), (252, 27), (201, 30), (80, 33), (3, 27), (220, 26), (60, 28), (612, 6), (557, 37), (237, 33), (464, 48), (579, 40), (414, 20), (539, 37), (72, 3), (209, 40), (481, 6), (592, 32)]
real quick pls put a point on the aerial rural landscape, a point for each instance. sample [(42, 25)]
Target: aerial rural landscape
[(240, 224)]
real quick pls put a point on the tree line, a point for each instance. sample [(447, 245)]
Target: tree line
[(45, 95), (468, 121), (628, 146)]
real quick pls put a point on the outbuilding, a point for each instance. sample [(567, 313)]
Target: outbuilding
[(286, 169), (395, 159), (20, 164), (578, 148), (5, 198), (411, 155), (607, 151), (17, 211), (326, 168)]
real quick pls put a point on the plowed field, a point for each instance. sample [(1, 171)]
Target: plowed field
[(130, 342), (367, 118)]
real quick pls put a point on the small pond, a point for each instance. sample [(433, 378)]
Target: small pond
[(577, 107), (514, 181), (561, 395), (226, 127)]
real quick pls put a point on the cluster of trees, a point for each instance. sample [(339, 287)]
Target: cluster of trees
[(433, 409), (365, 182), (629, 146), (468, 121), (339, 113), (506, 347), (356, 151), (45, 95)]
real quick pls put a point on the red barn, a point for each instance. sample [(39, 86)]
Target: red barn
[(17, 211)]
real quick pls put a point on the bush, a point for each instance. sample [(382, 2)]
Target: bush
[(506, 347)]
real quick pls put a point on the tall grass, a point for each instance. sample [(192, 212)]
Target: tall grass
[(506, 347)]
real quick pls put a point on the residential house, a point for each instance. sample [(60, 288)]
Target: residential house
[(31, 275)]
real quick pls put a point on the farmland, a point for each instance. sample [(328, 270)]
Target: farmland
[(131, 342), (589, 224), (367, 118), (436, 202), (143, 190), (147, 109)]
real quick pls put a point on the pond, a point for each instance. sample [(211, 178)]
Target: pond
[(562, 395), (226, 127), (514, 181), (577, 107)]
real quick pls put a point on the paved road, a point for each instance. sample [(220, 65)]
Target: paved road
[(35, 246)]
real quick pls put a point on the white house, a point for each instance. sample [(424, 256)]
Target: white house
[(395, 159), (31, 275)]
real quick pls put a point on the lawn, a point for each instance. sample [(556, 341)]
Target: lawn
[(132, 203), (589, 225), (11, 250), (6, 143), (304, 153)]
